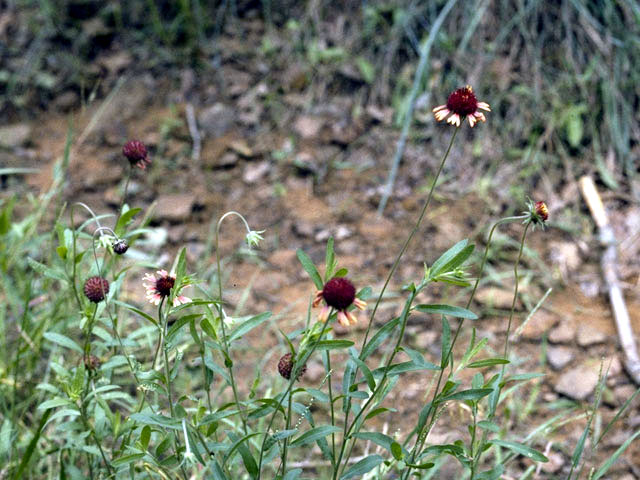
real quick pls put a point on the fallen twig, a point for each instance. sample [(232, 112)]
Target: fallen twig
[(609, 270)]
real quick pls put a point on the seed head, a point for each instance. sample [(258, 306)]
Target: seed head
[(285, 366), (96, 288), (120, 246), (136, 152)]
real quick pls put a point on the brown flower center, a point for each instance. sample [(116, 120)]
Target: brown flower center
[(164, 285)]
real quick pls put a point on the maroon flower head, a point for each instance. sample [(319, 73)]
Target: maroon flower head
[(285, 366), (96, 288), (136, 153), (120, 246), (92, 363), (461, 104), (339, 293)]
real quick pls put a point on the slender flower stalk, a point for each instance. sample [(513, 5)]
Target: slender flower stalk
[(394, 267), (421, 435)]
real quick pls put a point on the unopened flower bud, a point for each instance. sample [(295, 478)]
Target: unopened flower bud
[(120, 246), (96, 288)]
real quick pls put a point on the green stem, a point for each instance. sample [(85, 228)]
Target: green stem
[(421, 436), (124, 195), (495, 397), (394, 267), (225, 344)]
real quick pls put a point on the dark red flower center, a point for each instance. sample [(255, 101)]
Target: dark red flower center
[(164, 285), (463, 101), (339, 293), (542, 211), (135, 151)]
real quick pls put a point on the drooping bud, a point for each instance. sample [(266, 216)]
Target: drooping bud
[(120, 246)]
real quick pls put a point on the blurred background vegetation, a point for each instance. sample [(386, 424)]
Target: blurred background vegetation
[(562, 76)]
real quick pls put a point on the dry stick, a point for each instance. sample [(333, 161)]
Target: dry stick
[(413, 95), (609, 266), (195, 134)]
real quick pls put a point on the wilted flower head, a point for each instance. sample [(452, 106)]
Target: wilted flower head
[(92, 363), (120, 246), (460, 104), (96, 288), (253, 238), (136, 153), (339, 294), (285, 366), (159, 287)]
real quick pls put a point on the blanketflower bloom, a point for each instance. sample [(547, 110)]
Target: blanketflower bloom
[(339, 294), (159, 287), (136, 153), (460, 104), (542, 211)]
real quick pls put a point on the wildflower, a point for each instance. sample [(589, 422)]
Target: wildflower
[(160, 287), (285, 366), (460, 104), (120, 246), (339, 293), (253, 238), (96, 288), (136, 153), (542, 211), (92, 363)]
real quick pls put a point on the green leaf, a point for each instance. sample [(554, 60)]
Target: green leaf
[(385, 441), (575, 128), (145, 436), (367, 70), (156, 419), (371, 383), (446, 340), (612, 459), (363, 466), (489, 425), (448, 310), (62, 340), (333, 344), (55, 402), (46, 271), (314, 434), (380, 336), (248, 460), (488, 362), (292, 474), (310, 268), (26, 456), (522, 449), (396, 451), (248, 325), (136, 310), (378, 411), (329, 260), (124, 220), (126, 459), (451, 259), (471, 394)]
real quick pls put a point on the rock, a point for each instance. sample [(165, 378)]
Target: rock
[(303, 228), (16, 135), (495, 297), (624, 393), (174, 207), (66, 101), (589, 335), (283, 259), (555, 463), (539, 324), (307, 126), (426, 339), (563, 333), (227, 160), (578, 383), (559, 357), (253, 172), (216, 120), (194, 251)]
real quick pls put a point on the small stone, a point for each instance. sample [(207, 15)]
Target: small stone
[(539, 324), (495, 297), (563, 333), (283, 259), (307, 126), (194, 251), (16, 135), (342, 232), (624, 393), (578, 383), (216, 120), (227, 160), (253, 172), (303, 229), (555, 463), (588, 335), (66, 101), (425, 340), (175, 207), (559, 357)]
